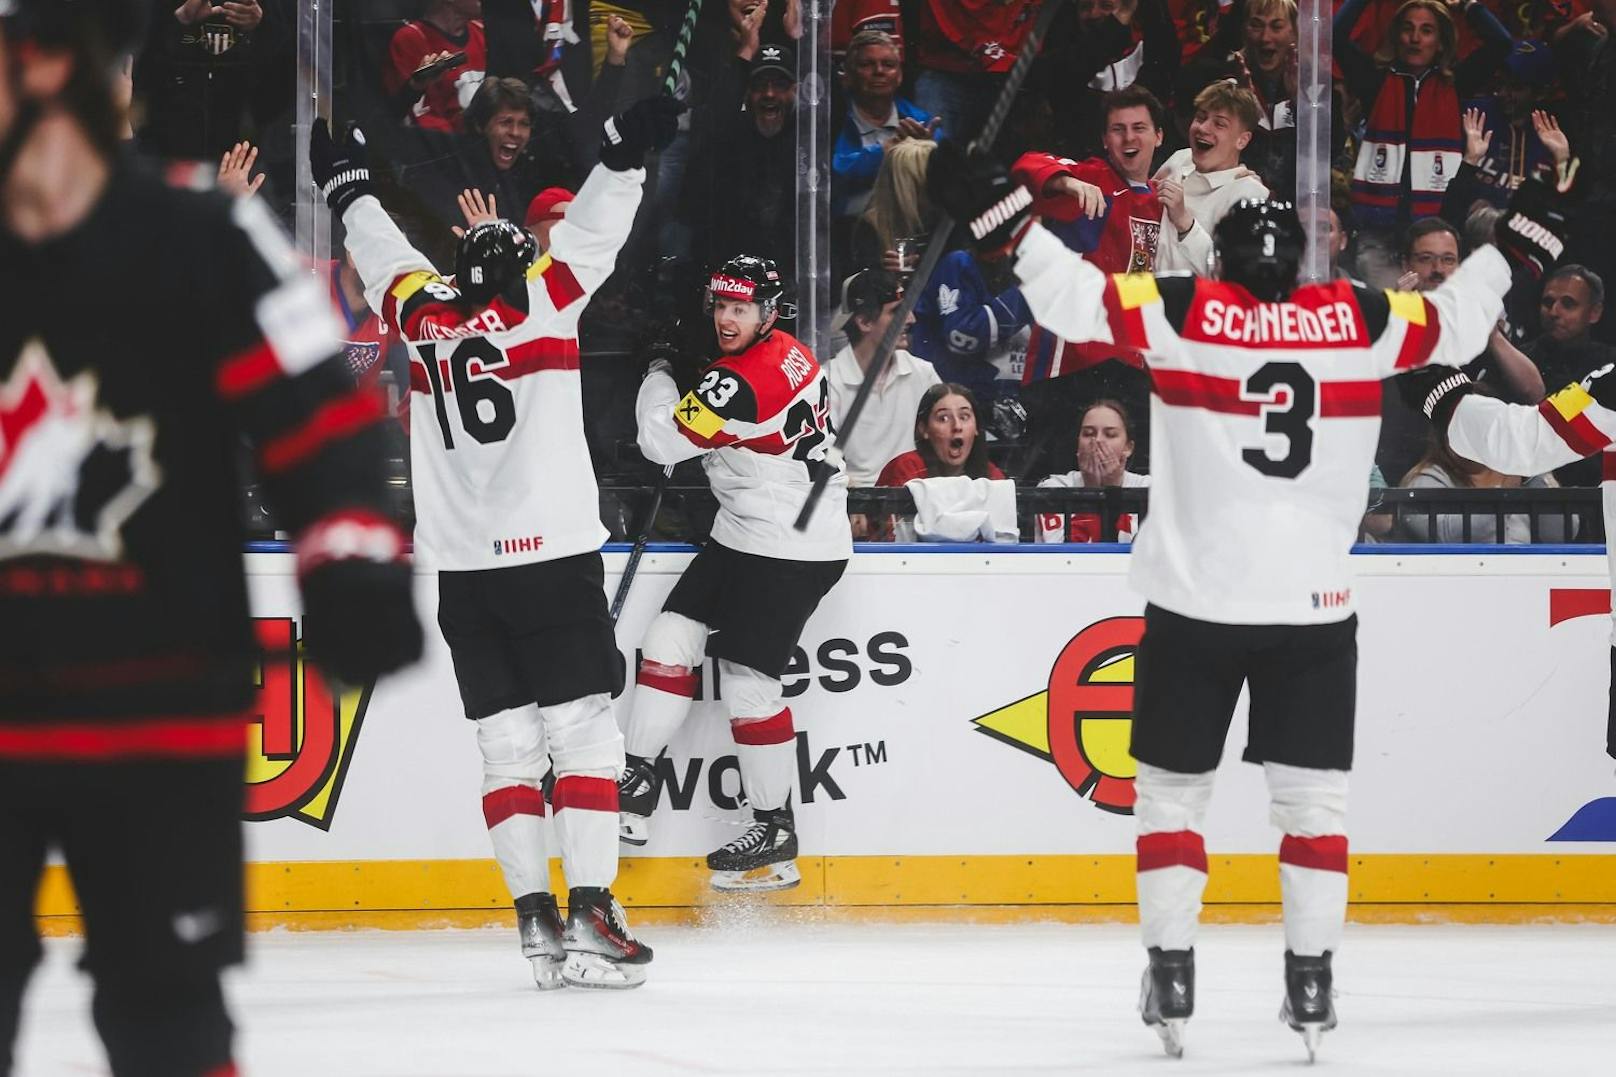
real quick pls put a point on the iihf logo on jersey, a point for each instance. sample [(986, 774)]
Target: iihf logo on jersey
[(1082, 722), (303, 738), (70, 472)]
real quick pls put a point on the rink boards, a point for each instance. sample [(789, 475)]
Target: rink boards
[(963, 723)]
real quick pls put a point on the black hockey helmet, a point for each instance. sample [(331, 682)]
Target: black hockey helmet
[(492, 255), (1259, 245), (750, 279)]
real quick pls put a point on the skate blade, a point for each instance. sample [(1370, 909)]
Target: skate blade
[(782, 876), (547, 972), (1171, 1031), (599, 972), (1312, 1032), (633, 829)]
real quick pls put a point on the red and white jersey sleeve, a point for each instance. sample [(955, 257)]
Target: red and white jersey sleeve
[(500, 465), (1264, 419), (1527, 439), (761, 422)]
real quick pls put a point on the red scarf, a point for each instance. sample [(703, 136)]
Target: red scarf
[(1430, 148)]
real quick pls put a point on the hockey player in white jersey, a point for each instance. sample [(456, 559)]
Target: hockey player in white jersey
[(507, 514), (1264, 416), (760, 418)]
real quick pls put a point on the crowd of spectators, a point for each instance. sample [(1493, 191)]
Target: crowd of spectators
[(1140, 124)]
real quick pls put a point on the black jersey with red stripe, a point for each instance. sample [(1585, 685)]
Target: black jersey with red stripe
[(143, 356)]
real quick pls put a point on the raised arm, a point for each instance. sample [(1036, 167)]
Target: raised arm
[(1519, 439)]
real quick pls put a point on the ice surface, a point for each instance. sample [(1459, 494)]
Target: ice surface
[(773, 995)]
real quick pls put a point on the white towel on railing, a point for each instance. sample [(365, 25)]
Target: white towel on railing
[(959, 509)]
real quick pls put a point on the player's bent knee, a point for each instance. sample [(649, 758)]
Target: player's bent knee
[(675, 640), (584, 738), (513, 744), (748, 692), (1307, 802), (1167, 800)]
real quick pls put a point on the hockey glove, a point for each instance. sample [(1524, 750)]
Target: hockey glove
[(341, 170), (1532, 231), (1436, 391), (980, 195), (646, 125), (358, 609)]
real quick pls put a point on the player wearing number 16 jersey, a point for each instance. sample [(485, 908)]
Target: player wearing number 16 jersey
[(507, 513), (760, 418), (1264, 415)]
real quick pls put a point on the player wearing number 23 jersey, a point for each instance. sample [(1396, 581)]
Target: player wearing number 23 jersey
[(760, 418)]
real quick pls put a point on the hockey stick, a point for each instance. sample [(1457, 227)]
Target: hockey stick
[(928, 262), (621, 597), (681, 45)]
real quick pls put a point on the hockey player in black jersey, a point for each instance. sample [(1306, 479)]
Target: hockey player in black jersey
[(144, 329)]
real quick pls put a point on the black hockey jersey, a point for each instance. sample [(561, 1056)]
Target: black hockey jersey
[(137, 352)]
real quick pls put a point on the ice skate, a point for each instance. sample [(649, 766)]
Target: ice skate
[(1308, 1007), (539, 923), (762, 859), (1167, 996), (636, 800), (601, 951)]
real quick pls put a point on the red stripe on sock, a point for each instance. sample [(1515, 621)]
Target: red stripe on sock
[(674, 680), (1176, 848), (1327, 853), (587, 794), (501, 804), (775, 729)]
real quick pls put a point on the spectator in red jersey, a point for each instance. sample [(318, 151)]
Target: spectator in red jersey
[(962, 49), (423, 79), (947, 440), (1121, 236), (1105, 442), (876, 117), (1410, 90)]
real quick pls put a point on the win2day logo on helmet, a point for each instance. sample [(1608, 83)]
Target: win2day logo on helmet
[(300, 745), (1083, 720)]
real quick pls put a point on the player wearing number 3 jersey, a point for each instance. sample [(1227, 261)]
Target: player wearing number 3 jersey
[(1264, 416), (507, 513), (760, 418)]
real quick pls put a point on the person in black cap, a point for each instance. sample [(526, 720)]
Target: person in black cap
[(740, 192)]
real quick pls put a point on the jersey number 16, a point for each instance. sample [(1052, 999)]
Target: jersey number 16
[(487, 409)]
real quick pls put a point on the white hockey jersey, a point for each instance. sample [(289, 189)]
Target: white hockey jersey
[(500, 466), (1264, 418), (1527, 439), (762, 419)]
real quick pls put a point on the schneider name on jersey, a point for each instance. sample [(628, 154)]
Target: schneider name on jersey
[(1264, 418), (500, 466), (763, 420)]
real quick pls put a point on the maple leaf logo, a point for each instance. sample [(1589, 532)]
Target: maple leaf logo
[(70, 473), (947, 300)]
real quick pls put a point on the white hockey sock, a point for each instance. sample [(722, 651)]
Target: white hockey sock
[(767, 751), (1310, 806), (586, 825), (662, 697), (520, 834), (1170, 809)]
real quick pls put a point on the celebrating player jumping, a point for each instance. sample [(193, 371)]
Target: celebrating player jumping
[(760, 417)]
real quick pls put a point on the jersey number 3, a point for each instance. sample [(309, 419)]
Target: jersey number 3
[(1293, 421), (487, 409)]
